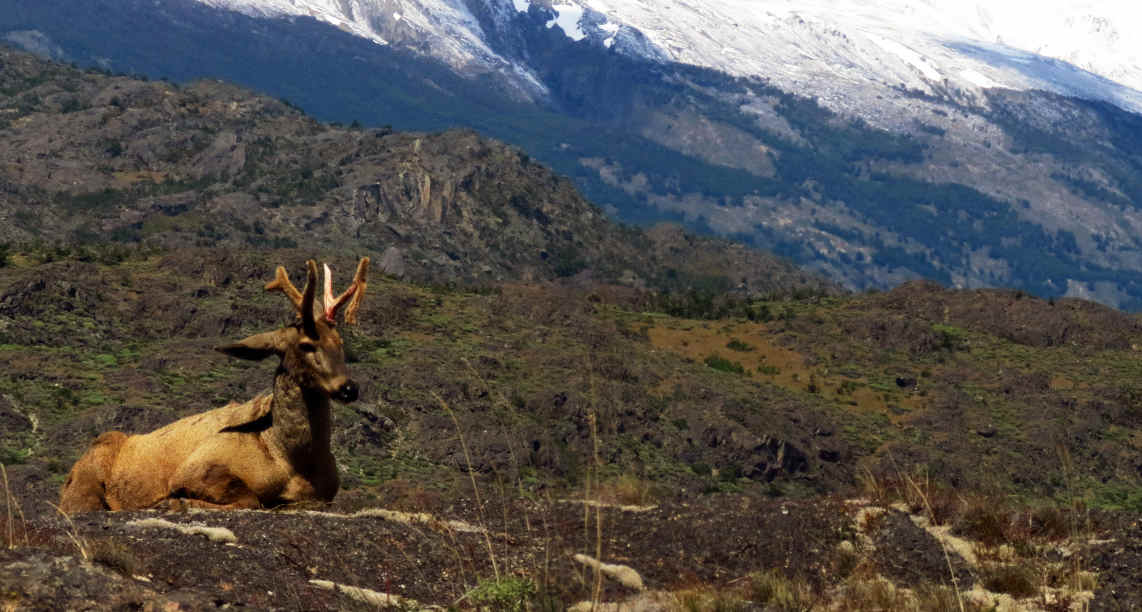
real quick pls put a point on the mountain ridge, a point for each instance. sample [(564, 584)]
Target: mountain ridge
[(210, 164), (926, 47), (1036, 195), (744, 429)]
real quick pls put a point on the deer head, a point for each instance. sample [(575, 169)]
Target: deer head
[(311, 350)]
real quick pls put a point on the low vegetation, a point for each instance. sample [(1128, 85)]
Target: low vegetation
[(555, 411), (450, 207), (982, 417)]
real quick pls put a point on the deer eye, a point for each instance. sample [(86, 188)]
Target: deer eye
[(308, 348)]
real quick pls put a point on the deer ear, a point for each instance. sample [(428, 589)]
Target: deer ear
[(254, 348)]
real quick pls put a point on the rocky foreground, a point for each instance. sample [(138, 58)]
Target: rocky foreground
[(916, 449), (721, 552)]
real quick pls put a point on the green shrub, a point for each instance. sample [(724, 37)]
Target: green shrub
[(1118, 496), (510, 593), (718, 362), (14, 456), (950, 338), (738, 345)]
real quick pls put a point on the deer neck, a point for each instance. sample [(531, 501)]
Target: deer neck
[(300, 420)]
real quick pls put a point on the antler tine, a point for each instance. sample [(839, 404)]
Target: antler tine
[(359, 282), (331, 304), (282, 283), (355, 291), (302, 301), (308, 318)]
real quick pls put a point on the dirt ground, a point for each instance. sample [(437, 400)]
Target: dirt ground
[(278, 560), (274, 556)]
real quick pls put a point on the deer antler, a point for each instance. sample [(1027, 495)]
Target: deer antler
[(303, 302), (360, 282), (282, 283), (356, 291)]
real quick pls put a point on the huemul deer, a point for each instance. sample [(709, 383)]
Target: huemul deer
[(269, 451)]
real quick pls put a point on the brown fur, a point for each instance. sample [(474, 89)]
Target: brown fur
[(271, 450)]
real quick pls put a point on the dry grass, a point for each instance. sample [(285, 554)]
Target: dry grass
[(997, 522), (593, 476), (775, 591), (475, 487), (626, 490), (708, 600), (696, 341), (1016, 579), (940, 598), (80, 543), (12, 511), (876, 593), (768, 590), (768, 361), (115, 555), (1012, 546), (986, 522)]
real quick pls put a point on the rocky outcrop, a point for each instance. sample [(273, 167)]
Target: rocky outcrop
[(88, 158)]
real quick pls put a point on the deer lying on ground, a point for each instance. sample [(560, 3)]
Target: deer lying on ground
[(269, 451)]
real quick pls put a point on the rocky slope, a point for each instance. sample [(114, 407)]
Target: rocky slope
[(754, 441), (87, 157), (725, 447), (872, 180)]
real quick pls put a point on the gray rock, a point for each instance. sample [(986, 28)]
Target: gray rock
[(392, 263)]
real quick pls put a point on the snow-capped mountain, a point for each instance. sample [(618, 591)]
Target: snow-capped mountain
[(840, 51), (808, 46), (973, 143), (443, 29)]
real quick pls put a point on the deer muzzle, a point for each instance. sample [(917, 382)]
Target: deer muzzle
[(346, 393)]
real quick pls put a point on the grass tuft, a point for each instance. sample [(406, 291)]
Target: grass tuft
[(774, 591), (507, 593), (717, 362), (115, 555), (1015, 579)]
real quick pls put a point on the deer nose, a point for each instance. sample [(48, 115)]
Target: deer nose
[(346, 392)]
